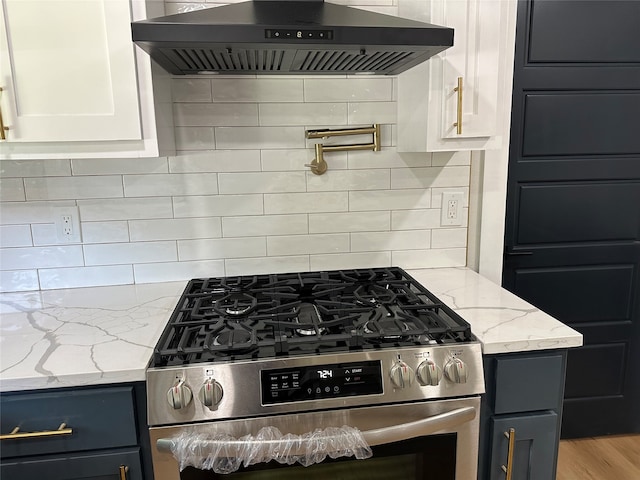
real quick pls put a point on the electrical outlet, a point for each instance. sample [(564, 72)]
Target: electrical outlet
[(451, 209), (67, 221)]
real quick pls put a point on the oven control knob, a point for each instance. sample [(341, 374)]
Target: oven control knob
[(429, 373), (456, 371), (210, 393), (179, 396), (402, 375)]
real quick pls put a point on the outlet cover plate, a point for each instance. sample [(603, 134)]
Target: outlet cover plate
[(451, 210), (74, 213)]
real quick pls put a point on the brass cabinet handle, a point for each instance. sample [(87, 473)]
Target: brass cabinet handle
[(3, 129), (123, 472), (15, 433), (508, 470), (458, 123)]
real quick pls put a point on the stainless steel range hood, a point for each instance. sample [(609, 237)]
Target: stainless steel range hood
[(288, 37)]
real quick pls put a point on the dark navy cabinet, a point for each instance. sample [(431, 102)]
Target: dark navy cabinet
[(521, 415), (80, 433)]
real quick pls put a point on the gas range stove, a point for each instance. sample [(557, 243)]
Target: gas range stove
[(245, 346)]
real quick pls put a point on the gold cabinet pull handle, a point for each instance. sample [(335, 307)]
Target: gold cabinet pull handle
[(123, 472), (16, 433), (3, 129), (458, 123), (508, 470)]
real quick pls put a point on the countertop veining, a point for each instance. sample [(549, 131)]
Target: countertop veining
[(99, 335)]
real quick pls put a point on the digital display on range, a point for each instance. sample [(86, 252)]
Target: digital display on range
[(320, 381)]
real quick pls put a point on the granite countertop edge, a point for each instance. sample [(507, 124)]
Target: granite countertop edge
[(105, 335)]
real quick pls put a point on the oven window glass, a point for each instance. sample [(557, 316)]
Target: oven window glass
[(417, 459)]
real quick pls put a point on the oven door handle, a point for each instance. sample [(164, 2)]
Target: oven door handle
[(379, 436), (420, 428)]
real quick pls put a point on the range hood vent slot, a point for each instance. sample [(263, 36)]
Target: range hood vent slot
[(193, 60), (345, 61)]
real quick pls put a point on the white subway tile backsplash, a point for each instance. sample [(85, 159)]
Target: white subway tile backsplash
[(51, 278), (434, 258), (12, 190), (44, 234), (191, 89), (129, 253), (387, 158), (275, 203), (170, 184), (349, 222), (217, 205), (415, 219), (257, 90), (443, 159), (391, 199), (16, 213), (174, 229), (259, 137), (333, 181), (372, 112), (448, 237), (303, 113), (67, 188), (237, 198), (18, 280), (350, 260), (105, 232), (264, 225), (125, 209), (40, 257), (348, 90), (221, 248), (306, 244), (429, 177), (177, 271), (296, 159), (215, 114), (404, 240), (195, 138), (254, 266), (35, 168), (15, 236), (216, 161), (263, 182), (115, 166)]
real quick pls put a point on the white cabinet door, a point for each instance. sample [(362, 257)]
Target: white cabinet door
[(68, 71), (428, 104)]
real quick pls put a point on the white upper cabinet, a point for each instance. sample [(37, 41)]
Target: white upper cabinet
[(72, 85), (430, 108)]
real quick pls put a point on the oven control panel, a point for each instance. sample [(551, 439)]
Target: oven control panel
[(320, 381)]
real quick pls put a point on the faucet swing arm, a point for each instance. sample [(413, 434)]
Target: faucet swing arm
[(319, 165)]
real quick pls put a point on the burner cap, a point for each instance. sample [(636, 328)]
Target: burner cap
[(387, 329), (235, 304), (232, 338), (308, 315)]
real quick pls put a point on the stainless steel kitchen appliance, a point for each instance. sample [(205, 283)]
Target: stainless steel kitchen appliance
[(366, 348)]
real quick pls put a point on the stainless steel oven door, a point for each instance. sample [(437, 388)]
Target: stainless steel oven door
[(409, 441)]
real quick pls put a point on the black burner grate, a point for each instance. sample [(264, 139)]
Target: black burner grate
[(262, 316)]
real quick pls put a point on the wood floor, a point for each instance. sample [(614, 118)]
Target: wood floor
[(603, 458)]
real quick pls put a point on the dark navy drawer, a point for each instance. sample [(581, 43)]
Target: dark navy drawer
[(106, 464), (98, 418), (525, 384)]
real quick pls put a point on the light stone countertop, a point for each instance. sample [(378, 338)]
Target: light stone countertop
[(99, 335)]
